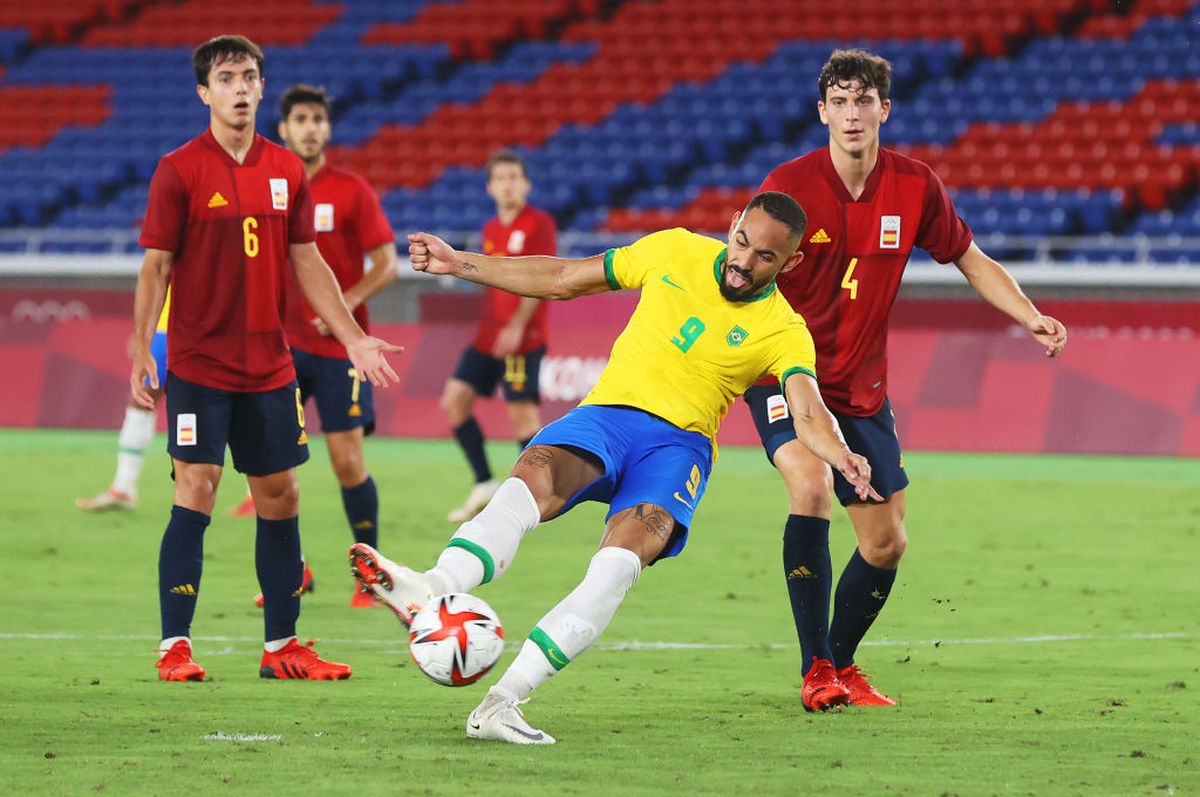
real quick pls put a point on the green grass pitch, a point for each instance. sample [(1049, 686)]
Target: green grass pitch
[(1041, 639)]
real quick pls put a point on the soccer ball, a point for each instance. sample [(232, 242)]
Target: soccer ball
[(456, 639)]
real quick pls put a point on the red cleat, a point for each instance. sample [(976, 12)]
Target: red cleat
[(362, 600), (307, 584), (296, 661), (822, 690), (177, 664), (244, 509), (862, 693)]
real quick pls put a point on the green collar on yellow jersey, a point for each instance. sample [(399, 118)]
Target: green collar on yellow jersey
[(720, 261)]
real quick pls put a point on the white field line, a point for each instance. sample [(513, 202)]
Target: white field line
[(636, 645)]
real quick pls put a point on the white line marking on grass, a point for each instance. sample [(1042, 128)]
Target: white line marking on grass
[(659, 645), (217, 736)]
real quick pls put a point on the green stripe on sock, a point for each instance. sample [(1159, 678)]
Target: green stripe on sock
[(489, 567), (553, 653)]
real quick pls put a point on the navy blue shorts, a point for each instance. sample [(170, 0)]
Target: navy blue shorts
[(874, 437), (344, 402), (264, 431), (646, 460), (518, 373)]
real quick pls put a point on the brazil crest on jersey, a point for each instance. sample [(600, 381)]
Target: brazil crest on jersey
[(687, 351)]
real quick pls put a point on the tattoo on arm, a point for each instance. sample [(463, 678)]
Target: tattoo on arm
[(467, 265), (656, 520)]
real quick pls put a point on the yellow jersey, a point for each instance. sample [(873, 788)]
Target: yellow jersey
[(688, 352), (165, 315)]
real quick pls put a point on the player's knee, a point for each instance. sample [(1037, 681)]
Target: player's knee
[(809, 489), (196, 488), (885, 550), (349, 468), (278, 498)]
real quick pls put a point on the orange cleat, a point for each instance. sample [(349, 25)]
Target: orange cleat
[(177, 664), (110, 499), (362, 600), (822, 690), (296, 661), (244, 509), (862, 693), (307, 584)]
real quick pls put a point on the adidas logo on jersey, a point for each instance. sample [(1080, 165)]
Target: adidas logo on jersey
[(217, 201), (820, 237), (183, 589)]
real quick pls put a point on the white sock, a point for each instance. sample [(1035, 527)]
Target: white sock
[(575, 623), (169, 642), (276, 645), (137, 430), (483, 548)]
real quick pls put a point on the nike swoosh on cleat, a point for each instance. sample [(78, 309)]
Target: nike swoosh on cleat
[(473, 726), (667, 279), (534, 736)]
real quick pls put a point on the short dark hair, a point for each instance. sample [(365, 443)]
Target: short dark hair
[(870, 70), (225, 47), (781, 207), (506, 156), (302, 94)]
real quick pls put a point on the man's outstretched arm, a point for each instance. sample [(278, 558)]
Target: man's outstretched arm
[(539, 276), (993, 282)]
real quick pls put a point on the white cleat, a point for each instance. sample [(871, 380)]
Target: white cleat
[(400, 588), (478, 498), (107, 500), (499, 718)]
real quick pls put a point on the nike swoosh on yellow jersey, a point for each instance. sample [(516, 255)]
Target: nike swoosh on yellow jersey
[(667, 279)]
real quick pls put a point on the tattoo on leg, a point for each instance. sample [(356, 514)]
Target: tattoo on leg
[(657, 520), (537, 457)]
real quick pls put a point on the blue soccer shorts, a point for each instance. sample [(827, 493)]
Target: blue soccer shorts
[(344, 401), (874, 437), (158, 349), (646, 460), (264, 431), (517, 373)]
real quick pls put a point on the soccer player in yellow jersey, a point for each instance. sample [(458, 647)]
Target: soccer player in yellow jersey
[(709, 323), (137, 430)]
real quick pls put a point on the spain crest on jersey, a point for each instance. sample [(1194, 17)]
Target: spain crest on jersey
[(279, 193), (889, 232)]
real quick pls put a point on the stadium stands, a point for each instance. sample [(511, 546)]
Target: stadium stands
[(1047, 118)]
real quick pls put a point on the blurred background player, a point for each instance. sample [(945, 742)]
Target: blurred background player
[(709, 321), (511, 338), (137, 430), (867, 208), (349, 222), (228, 213)]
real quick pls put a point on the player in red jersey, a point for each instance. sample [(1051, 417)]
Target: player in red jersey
[(867, 208), (228, 213), (350, 225), (511, 339)]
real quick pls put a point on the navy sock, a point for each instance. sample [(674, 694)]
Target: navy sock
[(362, 510), (861, 592), (280, 567), (180, 563), (470, 438), (521, 444), (809, 573)]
